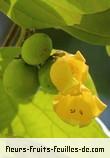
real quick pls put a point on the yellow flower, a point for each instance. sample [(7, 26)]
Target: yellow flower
[(67, 69), (78, 109), (75, 104)]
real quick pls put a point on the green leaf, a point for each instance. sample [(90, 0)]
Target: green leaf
[(41, 14), (90, 84), (88, 21), (37, 118), (108, 50), (7, 113), (94, 28), (6, 55), (91, 6)]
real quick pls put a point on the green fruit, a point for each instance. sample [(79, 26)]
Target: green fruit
[(44, 78), (36, 49), (20, 80)]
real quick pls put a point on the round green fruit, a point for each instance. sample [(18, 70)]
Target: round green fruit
[(20, 80), (44, 78), (36, 49)]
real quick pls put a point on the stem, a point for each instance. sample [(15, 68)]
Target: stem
[(21, 37), (15, 36), (9, 35)]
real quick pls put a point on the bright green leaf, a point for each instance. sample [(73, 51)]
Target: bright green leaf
[(94, 28), (41, 14), (68, 15), (37, 118), (91, 6), (108, 50)]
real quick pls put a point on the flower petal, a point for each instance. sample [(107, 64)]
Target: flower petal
[(78, 109), (61, 74), (77, 64)]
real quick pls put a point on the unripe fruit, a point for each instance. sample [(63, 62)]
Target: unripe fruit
[(36, 49), (20, 80), (44, 78)]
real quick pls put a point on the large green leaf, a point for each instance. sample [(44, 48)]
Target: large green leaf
[(41, 13), (7, 113), (86, 20), (37, 118), (49, 13), (94, 28), (91, 6)]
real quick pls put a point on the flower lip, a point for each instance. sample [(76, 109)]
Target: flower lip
[(80, 108)]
